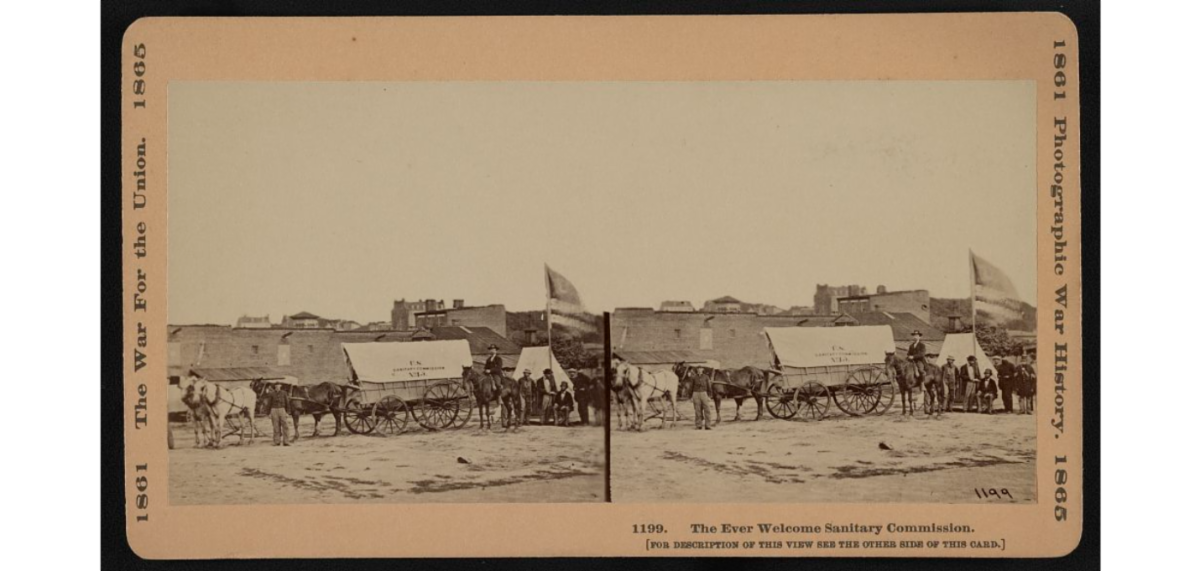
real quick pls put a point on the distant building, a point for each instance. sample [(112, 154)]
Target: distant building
[(493, 317), (725, 304), (404, 313), (302, 320), (677, 306), (915, 302), (903, 324), (252, 322), (801, 310), (825, 300), (735, 339)]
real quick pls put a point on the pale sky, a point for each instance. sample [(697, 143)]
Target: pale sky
[(337, 198)]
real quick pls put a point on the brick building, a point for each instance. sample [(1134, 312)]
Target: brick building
[(310, 355), (404, 313), (677, 306), (734, 339), (493, 317), (914, 301), (825, 300)]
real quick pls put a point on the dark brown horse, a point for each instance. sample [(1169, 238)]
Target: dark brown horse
[(910, 376), (483, 390), (509, 403), (318, 400), (738, 384)]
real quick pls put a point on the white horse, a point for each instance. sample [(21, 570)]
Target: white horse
[(644, 385), (201, 423), (222, 402)]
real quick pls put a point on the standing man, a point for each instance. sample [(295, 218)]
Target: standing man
[(525, 393), (916, 353), (970, 377), (948, 377), (583, 393), (281, 407), (493, 367), (545, 385), (702, 401), (1026, 384), (1008, 381)]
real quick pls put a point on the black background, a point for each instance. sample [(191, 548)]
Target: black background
[(117, 16)]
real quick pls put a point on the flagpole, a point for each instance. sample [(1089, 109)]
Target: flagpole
[(549, 324), (971, 290)]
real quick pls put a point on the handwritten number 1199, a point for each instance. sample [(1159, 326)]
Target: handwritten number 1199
[(985, 493)]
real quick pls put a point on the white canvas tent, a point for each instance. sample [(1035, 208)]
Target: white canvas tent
[(963, 345), (806, 347), (535, 359), (417, 360)]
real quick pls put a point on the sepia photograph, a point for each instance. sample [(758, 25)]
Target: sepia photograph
[(362, 306), (841, 309), (674, 277)]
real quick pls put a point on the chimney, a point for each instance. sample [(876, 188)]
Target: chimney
[(458, 304), (881, 289), (431, 305), (955, 322)]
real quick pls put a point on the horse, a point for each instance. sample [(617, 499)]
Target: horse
[(199, 414), (620, 401), (221, 402), (909, 377), (643, 385), (738, 384), (509, 398), (480, 387), (317, 400)]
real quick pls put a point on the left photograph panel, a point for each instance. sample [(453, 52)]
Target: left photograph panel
[(369, 304)]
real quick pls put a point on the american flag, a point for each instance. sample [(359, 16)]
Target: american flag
[(996, 300), (564, 305)]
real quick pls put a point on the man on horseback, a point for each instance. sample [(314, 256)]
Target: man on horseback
[(493, 367), (916, 352)]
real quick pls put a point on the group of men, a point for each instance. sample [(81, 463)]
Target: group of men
[(979, 391), (542, 397)]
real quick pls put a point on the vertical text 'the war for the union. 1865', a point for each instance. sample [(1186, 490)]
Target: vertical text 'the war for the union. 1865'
[(138, 301), (1058, 233)]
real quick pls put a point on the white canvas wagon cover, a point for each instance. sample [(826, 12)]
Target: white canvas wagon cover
[(803, 347), (411, 361)]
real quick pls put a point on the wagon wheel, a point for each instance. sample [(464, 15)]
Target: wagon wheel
[(358, 418), (861, 392), (781, 403), (813, 400), (440, 406), (887, 395), (391, 415)]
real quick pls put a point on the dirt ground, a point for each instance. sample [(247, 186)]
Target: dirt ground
[(836, 460), (536, 464)]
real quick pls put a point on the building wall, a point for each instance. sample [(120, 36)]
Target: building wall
[(825, 300), (312, 356), (734, 339), (493, 317), (915, 302)]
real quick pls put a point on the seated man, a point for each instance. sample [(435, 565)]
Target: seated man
[(564, 403), (987, 392)]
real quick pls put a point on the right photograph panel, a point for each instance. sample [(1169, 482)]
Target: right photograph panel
[(824, 293)]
